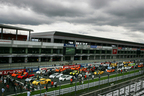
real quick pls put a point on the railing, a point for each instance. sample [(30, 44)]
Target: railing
[(84, 86)]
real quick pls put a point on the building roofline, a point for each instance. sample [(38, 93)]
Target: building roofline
[(13, 27)]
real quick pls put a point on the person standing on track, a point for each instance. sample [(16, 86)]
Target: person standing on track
[(71, 81), (52, 84), (3, 90)]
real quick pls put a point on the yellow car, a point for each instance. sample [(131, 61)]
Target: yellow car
[(113, 64), (41, 81), (74, 72), (99, 72)]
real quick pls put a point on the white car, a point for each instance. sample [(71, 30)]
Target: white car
[(53, 75), (65, 77), (41, 71), (58, 76)]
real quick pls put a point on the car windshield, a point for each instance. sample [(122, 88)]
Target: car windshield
[(63, 76), (74, 71), (54, 74)]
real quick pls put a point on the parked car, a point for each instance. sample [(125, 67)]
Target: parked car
[(31, 79), (58, 76), (41, 71), (41, 81), (53, 75), (49, 72), (75, 72), (65, 77), (98, 72)]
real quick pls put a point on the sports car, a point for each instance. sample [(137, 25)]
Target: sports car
[(16, 74), (99, 72), (60, 69), (65, 77), (58, 76), (53, 75), (140, 65), (41, 81), (75, 72), (24, 75), (110, 70), (41, 71), (75, 68), (31, 79)]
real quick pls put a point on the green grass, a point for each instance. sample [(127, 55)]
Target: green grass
[(85, 82)]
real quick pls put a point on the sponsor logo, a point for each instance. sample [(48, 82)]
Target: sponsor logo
[(114, 51)]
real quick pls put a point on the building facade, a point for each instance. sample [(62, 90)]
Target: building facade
[(60, 46)]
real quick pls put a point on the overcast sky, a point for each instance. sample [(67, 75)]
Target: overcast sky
[(115, 19)]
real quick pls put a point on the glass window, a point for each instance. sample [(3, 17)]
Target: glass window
[(18, 50), (4, 50)]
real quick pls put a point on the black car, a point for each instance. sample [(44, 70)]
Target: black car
[(47, 73), (67, 71), (102, 68)]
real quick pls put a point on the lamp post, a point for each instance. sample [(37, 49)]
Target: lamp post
[(59, 87), (75, 85), (99, 81), (88, 82), (40, 89), (108, 78)]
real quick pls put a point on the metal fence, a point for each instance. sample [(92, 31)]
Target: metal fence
[(84, 86)]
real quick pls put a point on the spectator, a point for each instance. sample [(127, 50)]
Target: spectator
[(55, 84), (79, 80), (28, 86), (121, 70), (85, 76), (21, 87), (92, 77), (28, 93), (52, 84), (5, 81), (25, 83), (47, 87), (15, 89), (71, 80), (7, 86), (9, 80), (3, 90)]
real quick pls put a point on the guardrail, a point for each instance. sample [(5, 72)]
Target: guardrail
[(133, 87), (88, 85)]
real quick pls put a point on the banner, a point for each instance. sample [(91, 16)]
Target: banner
[(5, 72), (32, 69), (69, 45), (71, 66), (93, 46)]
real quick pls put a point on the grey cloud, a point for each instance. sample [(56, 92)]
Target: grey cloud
[(128, 14)]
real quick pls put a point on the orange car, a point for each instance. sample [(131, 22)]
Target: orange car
[(16, 74), (140, 65), (83, 69), (75, 68), (60, 69), (110, 70)]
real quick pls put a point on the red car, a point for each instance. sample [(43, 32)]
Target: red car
[(26, 75)]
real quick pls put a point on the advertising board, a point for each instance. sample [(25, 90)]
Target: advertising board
[(70, 66), (5, 72)]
